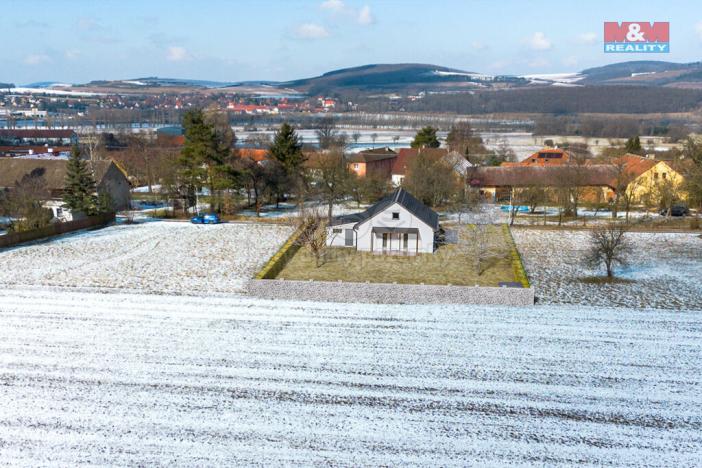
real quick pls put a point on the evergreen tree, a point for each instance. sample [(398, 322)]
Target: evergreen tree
[(222, 164), (426, 138), (199, 151), (79, 187), (633, 145), (287, 150)]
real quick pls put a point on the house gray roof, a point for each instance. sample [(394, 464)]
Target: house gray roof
[(400, 196)]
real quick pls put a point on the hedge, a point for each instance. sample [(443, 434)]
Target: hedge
[(520, 273), (278, 261)]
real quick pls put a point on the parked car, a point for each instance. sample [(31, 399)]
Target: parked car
[(208, 218), (676, 210)]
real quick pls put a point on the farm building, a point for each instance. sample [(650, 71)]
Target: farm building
[(109, 179), (496, 183)]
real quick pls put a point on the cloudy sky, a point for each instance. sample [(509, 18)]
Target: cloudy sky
[(82, 40)]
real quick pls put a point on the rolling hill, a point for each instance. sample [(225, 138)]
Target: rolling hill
[(645, 73), (409, 78), (397, 77)]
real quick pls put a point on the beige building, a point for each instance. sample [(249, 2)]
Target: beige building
[(650, 175)]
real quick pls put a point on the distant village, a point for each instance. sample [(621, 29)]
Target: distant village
[(621, 179)]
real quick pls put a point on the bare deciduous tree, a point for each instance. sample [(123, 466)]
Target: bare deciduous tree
[(355, 136), (367, 189), (432, 180), (665, 193), (259, 140), (624, 189), (608, 246), (313, 234), (333, 177), (478, 239), (327, 133), (92, 145), (24, 202), (525, 196), (466, 202)]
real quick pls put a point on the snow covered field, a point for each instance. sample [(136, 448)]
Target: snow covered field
[(158, 257), (94, 369), (665, 270), (122, 379)]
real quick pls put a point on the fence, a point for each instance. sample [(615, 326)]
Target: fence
[(8, 240)]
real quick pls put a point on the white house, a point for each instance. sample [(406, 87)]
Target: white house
[(399, 223)]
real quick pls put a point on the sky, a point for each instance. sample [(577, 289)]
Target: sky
[(76, 41)]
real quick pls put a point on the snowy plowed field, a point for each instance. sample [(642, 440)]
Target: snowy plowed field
[(158, 257), (132, 346), (121, 379), (665, 270)]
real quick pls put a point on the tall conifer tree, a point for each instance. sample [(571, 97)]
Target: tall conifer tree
[(79, 187), (287, 150)]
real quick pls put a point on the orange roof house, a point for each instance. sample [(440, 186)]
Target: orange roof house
[(256, 154), (542, 158), (372, 162), (645, 174)]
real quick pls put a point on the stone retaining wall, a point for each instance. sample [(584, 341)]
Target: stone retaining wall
[(383, 293)]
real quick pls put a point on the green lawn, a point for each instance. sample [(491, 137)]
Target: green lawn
[(449, 264)]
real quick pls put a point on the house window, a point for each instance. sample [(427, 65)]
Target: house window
[(405, 240), (336, 231), (655, 175), (396, 215), (664, 175), (59, 211), (355, 166), (385, 240)]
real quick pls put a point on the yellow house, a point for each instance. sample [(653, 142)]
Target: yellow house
[(649, 177)]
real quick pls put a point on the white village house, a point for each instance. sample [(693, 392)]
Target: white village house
[(399, 223)]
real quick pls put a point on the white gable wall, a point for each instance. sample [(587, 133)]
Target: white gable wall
[(397, 180), (338, 239)]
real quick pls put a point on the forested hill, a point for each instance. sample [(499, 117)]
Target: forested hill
[(396, 77), (645, 73), (552, 100)]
